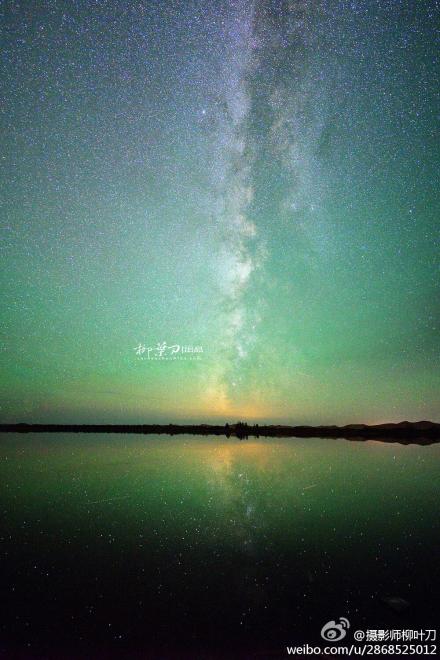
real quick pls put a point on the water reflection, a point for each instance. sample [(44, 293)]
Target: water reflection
[(213, 542)]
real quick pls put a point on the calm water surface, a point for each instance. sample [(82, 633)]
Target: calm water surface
[(162, 547)]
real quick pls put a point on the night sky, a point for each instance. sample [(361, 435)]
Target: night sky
[(258, 179)]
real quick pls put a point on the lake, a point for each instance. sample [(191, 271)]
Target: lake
[(205, 547)]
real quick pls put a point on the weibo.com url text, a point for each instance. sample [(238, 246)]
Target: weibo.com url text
[(365, 649)]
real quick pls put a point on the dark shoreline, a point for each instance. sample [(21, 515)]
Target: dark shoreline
[(405, 432)]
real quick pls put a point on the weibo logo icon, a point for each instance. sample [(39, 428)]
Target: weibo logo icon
[(334, 632)]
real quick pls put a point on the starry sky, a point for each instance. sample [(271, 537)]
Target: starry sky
[(256, 178)]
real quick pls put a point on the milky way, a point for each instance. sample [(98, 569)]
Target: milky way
[(256, 178)]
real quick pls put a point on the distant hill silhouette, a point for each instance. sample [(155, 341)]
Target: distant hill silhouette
[(423, 432)]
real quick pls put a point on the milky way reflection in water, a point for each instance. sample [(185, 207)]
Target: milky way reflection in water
[(169, 546)]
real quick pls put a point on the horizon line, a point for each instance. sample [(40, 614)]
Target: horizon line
[(426, 431)]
